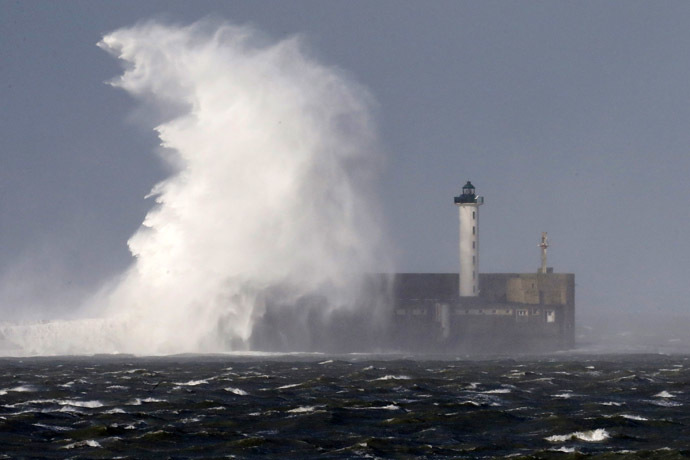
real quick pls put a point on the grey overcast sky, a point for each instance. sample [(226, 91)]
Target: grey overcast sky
[(569, 117)]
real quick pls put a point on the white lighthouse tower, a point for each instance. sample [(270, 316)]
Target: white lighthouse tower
[(468, 204)]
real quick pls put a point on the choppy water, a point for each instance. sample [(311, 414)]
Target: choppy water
[(344, 407)]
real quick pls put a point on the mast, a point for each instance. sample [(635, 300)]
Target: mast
[(543, 245)]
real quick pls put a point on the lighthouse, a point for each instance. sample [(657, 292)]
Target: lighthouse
[(468, 205)]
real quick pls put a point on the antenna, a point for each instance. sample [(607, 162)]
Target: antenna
[(543, 245)]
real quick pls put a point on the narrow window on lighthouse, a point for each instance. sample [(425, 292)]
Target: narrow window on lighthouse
[(474, 260), (474, 215), (474, 244), (474, 229)]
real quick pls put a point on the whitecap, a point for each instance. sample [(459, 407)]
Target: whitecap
[(302, 409), (664, 394), (563, 395), (471, 403), (634, 417), (388, 407), (393, 377), (497, 391), (115, 410), (597, 435), (138, 402), (76, 403), (326, 362), (20, 389), (612, 403), (236, 391), (32, 402), (665, 403), (88, 442), (567, 450), (192, 383), (69, 409), (52, 427), (292, 385)]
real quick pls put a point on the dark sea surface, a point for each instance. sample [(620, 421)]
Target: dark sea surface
[(354, 406)]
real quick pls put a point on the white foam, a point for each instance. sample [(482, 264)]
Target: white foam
[(21, 389), (115, 410), (388, 407), (638, 418), (665, 403), (52, 427), (77, 403), (69, 409), (471, 403), (292, 385), (664, 394), (192, 383), (497, 391), (259, 139), (139, 402), (598, 435), (302, 410), (236, 391), (88, 443), (567, 450), (393, 377)]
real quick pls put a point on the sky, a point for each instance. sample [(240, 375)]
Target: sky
[(568, 117)]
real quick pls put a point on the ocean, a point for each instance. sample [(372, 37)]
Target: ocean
[(346, 406)]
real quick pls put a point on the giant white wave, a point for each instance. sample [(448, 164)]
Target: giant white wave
[(272, 158)]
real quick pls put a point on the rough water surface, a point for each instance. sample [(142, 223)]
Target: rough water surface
[(361, 406)]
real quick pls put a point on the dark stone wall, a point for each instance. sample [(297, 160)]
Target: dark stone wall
[(425, 286), (476, 323), (406, 311)]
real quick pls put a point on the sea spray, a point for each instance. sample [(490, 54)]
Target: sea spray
[(272, 157)]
